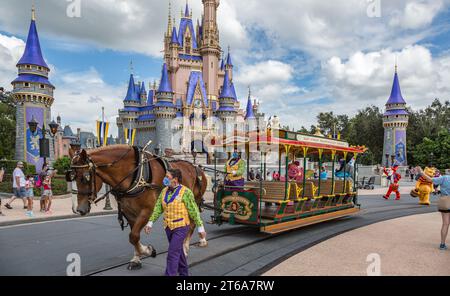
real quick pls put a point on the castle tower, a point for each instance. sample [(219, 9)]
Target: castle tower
[(395, 122), (33, 95), (165, 111), (250, 118), (227, 111), (210, 48)]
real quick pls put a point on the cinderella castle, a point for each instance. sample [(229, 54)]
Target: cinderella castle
[(195, 101)]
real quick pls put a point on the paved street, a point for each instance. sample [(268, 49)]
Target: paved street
[(42, 248)]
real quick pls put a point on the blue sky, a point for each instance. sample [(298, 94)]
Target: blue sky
[(300, 57)]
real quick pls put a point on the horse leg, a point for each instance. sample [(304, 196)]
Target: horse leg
[(139, 249)]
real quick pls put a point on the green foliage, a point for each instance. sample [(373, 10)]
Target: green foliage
[(10, 165), (425, 133), (7, 126), (59, 186), (436, 151), (62, 164)]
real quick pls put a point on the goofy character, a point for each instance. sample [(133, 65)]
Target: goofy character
[(394, 177), (235, 169)]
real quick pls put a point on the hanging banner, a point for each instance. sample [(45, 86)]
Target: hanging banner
[(102, 133), (130, 135)]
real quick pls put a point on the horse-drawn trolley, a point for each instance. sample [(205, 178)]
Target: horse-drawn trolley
[(304, 179)]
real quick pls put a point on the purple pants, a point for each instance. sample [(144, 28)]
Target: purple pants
[(176, 260), (237, 183)]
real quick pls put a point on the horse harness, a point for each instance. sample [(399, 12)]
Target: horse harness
[(141, 179)]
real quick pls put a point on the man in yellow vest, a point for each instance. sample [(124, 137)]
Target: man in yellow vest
[(177, 202), (235, 169)]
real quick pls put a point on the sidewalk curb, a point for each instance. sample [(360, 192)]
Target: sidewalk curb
[(55, 218)]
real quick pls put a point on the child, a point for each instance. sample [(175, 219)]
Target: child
[(48, 194), (29, 186)]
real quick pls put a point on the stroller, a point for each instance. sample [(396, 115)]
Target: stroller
[(369, 185)]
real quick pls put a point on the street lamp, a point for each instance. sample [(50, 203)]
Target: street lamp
[(44, 145), (157, 150), (194, 154)]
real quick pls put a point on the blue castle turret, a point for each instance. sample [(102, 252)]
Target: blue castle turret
[(33, 94), (165, 111), (395, 122)]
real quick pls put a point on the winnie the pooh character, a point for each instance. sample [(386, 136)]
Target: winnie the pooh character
[(424, 187)]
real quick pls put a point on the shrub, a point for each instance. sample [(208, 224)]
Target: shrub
[(10, 165)]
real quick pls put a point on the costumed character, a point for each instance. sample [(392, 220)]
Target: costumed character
[(295, 172), (344, 170), (394, 178), (235, 169), (424, 187)]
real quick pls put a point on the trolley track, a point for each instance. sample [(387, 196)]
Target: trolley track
[(289, 243)]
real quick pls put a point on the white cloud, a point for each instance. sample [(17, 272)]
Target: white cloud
[(417, 14), (11, 49), (80, 97)]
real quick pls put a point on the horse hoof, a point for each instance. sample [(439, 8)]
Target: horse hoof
[(153, 255), (134, 266)]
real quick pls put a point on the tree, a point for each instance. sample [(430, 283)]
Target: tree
[(62, 164), (435, 151), (366, 128), (7, 125), (427, 124)]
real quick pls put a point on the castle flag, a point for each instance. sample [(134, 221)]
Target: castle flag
[(102, 133), (130, 135)]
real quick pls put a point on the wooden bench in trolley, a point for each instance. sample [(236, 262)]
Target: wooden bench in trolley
[(281, 206)]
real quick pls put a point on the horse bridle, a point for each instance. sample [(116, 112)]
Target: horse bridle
[(92, 173), (90, 176)]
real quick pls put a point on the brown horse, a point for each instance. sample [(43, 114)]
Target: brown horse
[(116, 166)]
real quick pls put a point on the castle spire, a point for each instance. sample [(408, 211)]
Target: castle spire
[(165, 86), (249, 111), (396, 93), (174, 36), (169, 21), (33, 12), (186, 12), (227, 91), (131, 93), (33, 54), (229, 61)]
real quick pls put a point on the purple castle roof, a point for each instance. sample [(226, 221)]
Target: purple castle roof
[(174, 36), (249, 111), (194, 78), (33, 79), (33, 53), (164, 85), (227, 90), (396, 93), (186, 24), (132, 95)]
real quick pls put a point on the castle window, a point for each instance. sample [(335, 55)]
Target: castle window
[(42, 86), (27, 84), (28, 67), (40, 68)]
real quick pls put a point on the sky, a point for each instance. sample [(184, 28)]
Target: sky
[(300, 57)]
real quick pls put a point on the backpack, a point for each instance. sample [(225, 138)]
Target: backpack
[(38, 182)]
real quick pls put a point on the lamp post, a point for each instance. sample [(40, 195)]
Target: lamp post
[(194, 155), (157, 150), (44, 145)]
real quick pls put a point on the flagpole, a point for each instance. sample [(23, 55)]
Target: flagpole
[(107, 200)]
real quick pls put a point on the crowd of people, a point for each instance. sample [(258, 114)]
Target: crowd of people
[(24, 188)]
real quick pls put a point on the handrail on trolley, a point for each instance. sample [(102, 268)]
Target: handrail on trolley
[(245, 187)]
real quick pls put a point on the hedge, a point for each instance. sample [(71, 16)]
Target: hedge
[(10, 165), (59, 186)]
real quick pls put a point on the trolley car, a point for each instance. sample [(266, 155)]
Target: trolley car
[(280, 205)]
